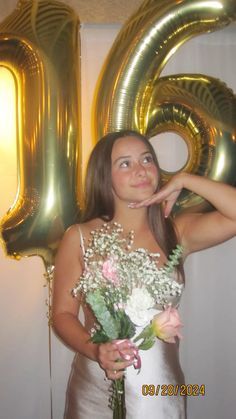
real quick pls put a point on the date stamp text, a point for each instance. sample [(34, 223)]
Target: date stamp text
[(173, 390)]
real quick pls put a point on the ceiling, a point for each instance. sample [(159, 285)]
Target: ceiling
[(88, 11), (104, 11)]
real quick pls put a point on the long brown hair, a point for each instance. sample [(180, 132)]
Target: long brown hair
[(99, 200)]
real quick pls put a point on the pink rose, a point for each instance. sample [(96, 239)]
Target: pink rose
[(166, 325), (109, 270)]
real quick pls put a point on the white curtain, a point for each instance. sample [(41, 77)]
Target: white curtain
[(208, 308)]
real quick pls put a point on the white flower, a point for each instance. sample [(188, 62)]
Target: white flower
[(139, 306)]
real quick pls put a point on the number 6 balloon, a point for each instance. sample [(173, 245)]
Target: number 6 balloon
[(130, 93)]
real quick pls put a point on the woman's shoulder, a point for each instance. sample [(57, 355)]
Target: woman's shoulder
[(75, 230), (75, 238)]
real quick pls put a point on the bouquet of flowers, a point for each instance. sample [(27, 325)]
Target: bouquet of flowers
[(123, 287)]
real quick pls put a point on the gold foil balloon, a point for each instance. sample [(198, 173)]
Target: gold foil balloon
[(38, 44), (202, 110), (131, 94)]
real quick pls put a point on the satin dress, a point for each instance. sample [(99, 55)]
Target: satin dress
[(161, 373)]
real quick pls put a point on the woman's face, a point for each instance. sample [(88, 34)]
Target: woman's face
[(134, 173)]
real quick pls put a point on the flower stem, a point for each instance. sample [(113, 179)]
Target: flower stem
[(119, 409)]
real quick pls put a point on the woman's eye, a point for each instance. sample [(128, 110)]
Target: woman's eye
[(124, 163), (148, 159)]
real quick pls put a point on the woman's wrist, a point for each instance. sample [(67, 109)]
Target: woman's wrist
[(184, 180), (95, 350), (192, 182), (179, 181)]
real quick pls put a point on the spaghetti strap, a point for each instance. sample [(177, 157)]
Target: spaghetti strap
[(81, 240)]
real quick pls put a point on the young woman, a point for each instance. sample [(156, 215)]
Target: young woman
[(123, 185)]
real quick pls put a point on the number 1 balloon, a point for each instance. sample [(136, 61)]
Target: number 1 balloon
[(39, 45)]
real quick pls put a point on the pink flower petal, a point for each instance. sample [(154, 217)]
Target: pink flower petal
[(166, 325)]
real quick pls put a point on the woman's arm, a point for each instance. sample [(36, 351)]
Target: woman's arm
[(200, 230), (65, 310)]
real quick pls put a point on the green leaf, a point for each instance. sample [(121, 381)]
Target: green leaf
[(145, 334), (173, 259), (99, 337), (147, 343), (98, 304), (127, 329)]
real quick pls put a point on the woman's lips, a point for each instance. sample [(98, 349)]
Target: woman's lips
[(143, 184)]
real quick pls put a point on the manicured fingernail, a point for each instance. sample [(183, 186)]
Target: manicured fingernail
[(118, 342)]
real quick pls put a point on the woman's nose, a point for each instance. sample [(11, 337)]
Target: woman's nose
[(140, 169)]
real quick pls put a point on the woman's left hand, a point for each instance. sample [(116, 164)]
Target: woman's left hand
[(168, 195)]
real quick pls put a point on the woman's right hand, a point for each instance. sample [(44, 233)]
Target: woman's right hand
[(114, 357)]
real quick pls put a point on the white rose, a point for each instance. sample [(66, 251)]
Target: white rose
[(139, 305)]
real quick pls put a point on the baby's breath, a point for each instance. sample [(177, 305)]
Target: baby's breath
[(136, 268)]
